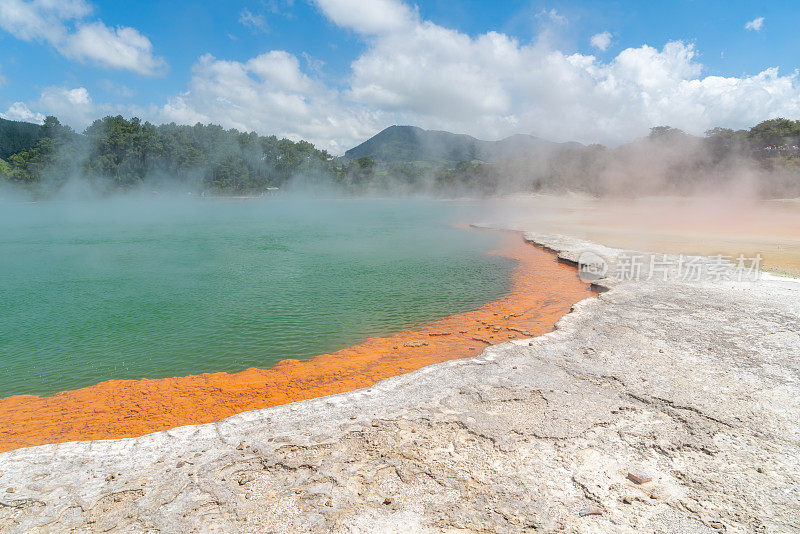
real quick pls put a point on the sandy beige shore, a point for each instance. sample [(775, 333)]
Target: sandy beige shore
[(660, 406), (703, 226)]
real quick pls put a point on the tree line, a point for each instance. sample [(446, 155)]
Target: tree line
[(115, 153)]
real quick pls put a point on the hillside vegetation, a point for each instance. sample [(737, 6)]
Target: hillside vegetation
[(115, 153), (16, 136)]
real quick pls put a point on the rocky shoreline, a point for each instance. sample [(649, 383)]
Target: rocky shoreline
[(693, 384)]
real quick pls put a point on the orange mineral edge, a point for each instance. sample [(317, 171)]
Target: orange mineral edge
[(542, 290)]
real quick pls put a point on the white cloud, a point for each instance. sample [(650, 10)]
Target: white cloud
[(491, 85), (756, 24), (20, 112), (120, 48), (552, 15), (254, 22), (71, 106), (61, 24), (269, 94), (601, 41), (373, 17)]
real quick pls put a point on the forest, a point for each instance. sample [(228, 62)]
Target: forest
[(119, 154)]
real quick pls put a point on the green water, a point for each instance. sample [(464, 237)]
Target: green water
[(91, 291)]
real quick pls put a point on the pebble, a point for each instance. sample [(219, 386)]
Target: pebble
[(387, 500), (638, 477), (415, 343), (180, 464), (240, 446), (591, 510), (10, 490)]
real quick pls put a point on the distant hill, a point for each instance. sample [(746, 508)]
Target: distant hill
[(411, 143), (16, 136)]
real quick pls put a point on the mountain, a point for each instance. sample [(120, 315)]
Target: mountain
[(17, 136), (411, 143)]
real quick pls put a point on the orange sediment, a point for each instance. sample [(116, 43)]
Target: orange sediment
[(542, 290)]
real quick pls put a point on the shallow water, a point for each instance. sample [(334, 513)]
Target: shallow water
[(91, 291)]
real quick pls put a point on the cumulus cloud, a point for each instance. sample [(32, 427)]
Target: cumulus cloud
[(374, 17), (491, 85), (601, 41), (755, 25), (63, 24), (272, 95), (71, 106), (20, 112)]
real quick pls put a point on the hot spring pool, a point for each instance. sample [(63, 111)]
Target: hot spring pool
[(135, 288)]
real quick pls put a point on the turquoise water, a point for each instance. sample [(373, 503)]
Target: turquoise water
[(91, 291)]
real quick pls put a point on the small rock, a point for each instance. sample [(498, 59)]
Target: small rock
[(590, 510), (638, 477), (530, 344), (198, 454), (514, 367), (255, 450), (759, 469), (661, 351), (395, 347), (248, 496), (655, 496), (387, 500), (180, 464), (240, 446), (329, 503), (627, 500), (352, 417), (717, 525), (10, 490), (415, 343)]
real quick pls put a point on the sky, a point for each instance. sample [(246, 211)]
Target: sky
[(335, 72)]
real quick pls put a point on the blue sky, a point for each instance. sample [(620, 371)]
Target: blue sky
[(337, 71)]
